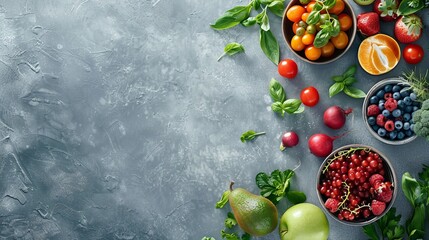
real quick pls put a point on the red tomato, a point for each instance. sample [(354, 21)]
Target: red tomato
[(288, 68), (309, 96), (413, 53)]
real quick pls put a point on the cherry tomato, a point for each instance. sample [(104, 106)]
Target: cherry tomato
[(308, 39), (288, 68), (310, 6), (312, 53), (295, 26), (295, 12), (305, 16), (296, 43), (309, 96), (340, 41), (413, 53), (337, 8), (345, 21), (328, 50)]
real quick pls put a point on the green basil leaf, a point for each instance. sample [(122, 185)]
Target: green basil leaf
[(350, 72), (277, 91), (313, 18), (256, 4), (250, 135), (265, 22), (349, 81), (278, 108), (231, 49), (291, 105), (208, 238), (296, 197), (322, 38), (354, 92), (329, 3), (337, 78), (270, 46), (224, 199), (250, 21), (336, 88), (277, 7), (266, 2), (318, 6), (408, 7), (300, 109), (232, 17), (335, 30)]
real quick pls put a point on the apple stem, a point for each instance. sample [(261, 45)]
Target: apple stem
[(230, 185)]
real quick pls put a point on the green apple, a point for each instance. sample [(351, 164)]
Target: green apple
[(304, 221)]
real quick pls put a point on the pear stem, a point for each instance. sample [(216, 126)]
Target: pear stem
[(230, 185)]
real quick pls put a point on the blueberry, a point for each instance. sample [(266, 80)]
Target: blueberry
[(407, 101), (386, 113), (405, 93), (375, 127), (398, 125), (401, 104), (381, 106), (413, 96), (415, 108), (388, 88), (412, 127), (393, 135), (409, 109), (409, 133), (371, 121), (406, 126), (396, 88), (396, 95), (407, 117), (400, 135), (381, 132), (396, 113), (380, 93), (373, 100)]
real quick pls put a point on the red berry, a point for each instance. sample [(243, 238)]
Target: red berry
[(373, 110), (377, 207), (390, 104), (387, 95), (375, 178), (389, 125), (332, 204), (381, 120), (383, 193)]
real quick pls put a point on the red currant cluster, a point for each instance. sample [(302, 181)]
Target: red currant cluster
[(353, 184)]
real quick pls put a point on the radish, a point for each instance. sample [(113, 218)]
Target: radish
[(335, 117), (289, 139), (321, 145)]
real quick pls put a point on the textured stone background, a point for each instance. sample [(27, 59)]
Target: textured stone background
[(118, 123)]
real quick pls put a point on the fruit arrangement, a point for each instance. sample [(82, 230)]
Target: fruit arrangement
[(356, 184), (390, 109), (320, 28)]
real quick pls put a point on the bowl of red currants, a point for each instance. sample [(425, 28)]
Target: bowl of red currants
[(388, 109), (356, 185)]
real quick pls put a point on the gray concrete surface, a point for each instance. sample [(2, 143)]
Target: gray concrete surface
[(118, 123)]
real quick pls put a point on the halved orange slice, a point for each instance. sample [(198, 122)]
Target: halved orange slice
[(379, 54)]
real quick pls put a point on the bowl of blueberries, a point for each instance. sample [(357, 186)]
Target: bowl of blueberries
[(388, 109)]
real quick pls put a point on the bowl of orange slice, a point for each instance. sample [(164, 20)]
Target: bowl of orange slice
[(378, 54), (319, 32)]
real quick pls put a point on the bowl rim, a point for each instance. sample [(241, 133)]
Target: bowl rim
[(351, 38), (370, 93), (389, 168)]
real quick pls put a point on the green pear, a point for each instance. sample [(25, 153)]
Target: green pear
[(255, 214), (304, 221)]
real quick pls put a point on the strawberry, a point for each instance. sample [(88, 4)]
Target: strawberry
[(386, 9), (368, 23), (375, 178), (383, 192), (377, 207), (373, 110), (408, 28), (332, 204)]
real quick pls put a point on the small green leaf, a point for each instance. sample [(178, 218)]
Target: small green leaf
[(329, 3), (270, 46), (322, 37), (313, 18), (265, 22), (335, 30), (230, 221), (350, 72), (277, 7), (300, 109), (296, 197), (266, 2), (349, 81), (229, 236), (408, 7), (250, 21), (224, 199), (278, 108), (250, 135), (371, 231), (246, 236), (354, 92), (232, 17), (291, 105), (336, 88), (208, 238), (256, 4), (277, 91), (337, 78), (231, 49)]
